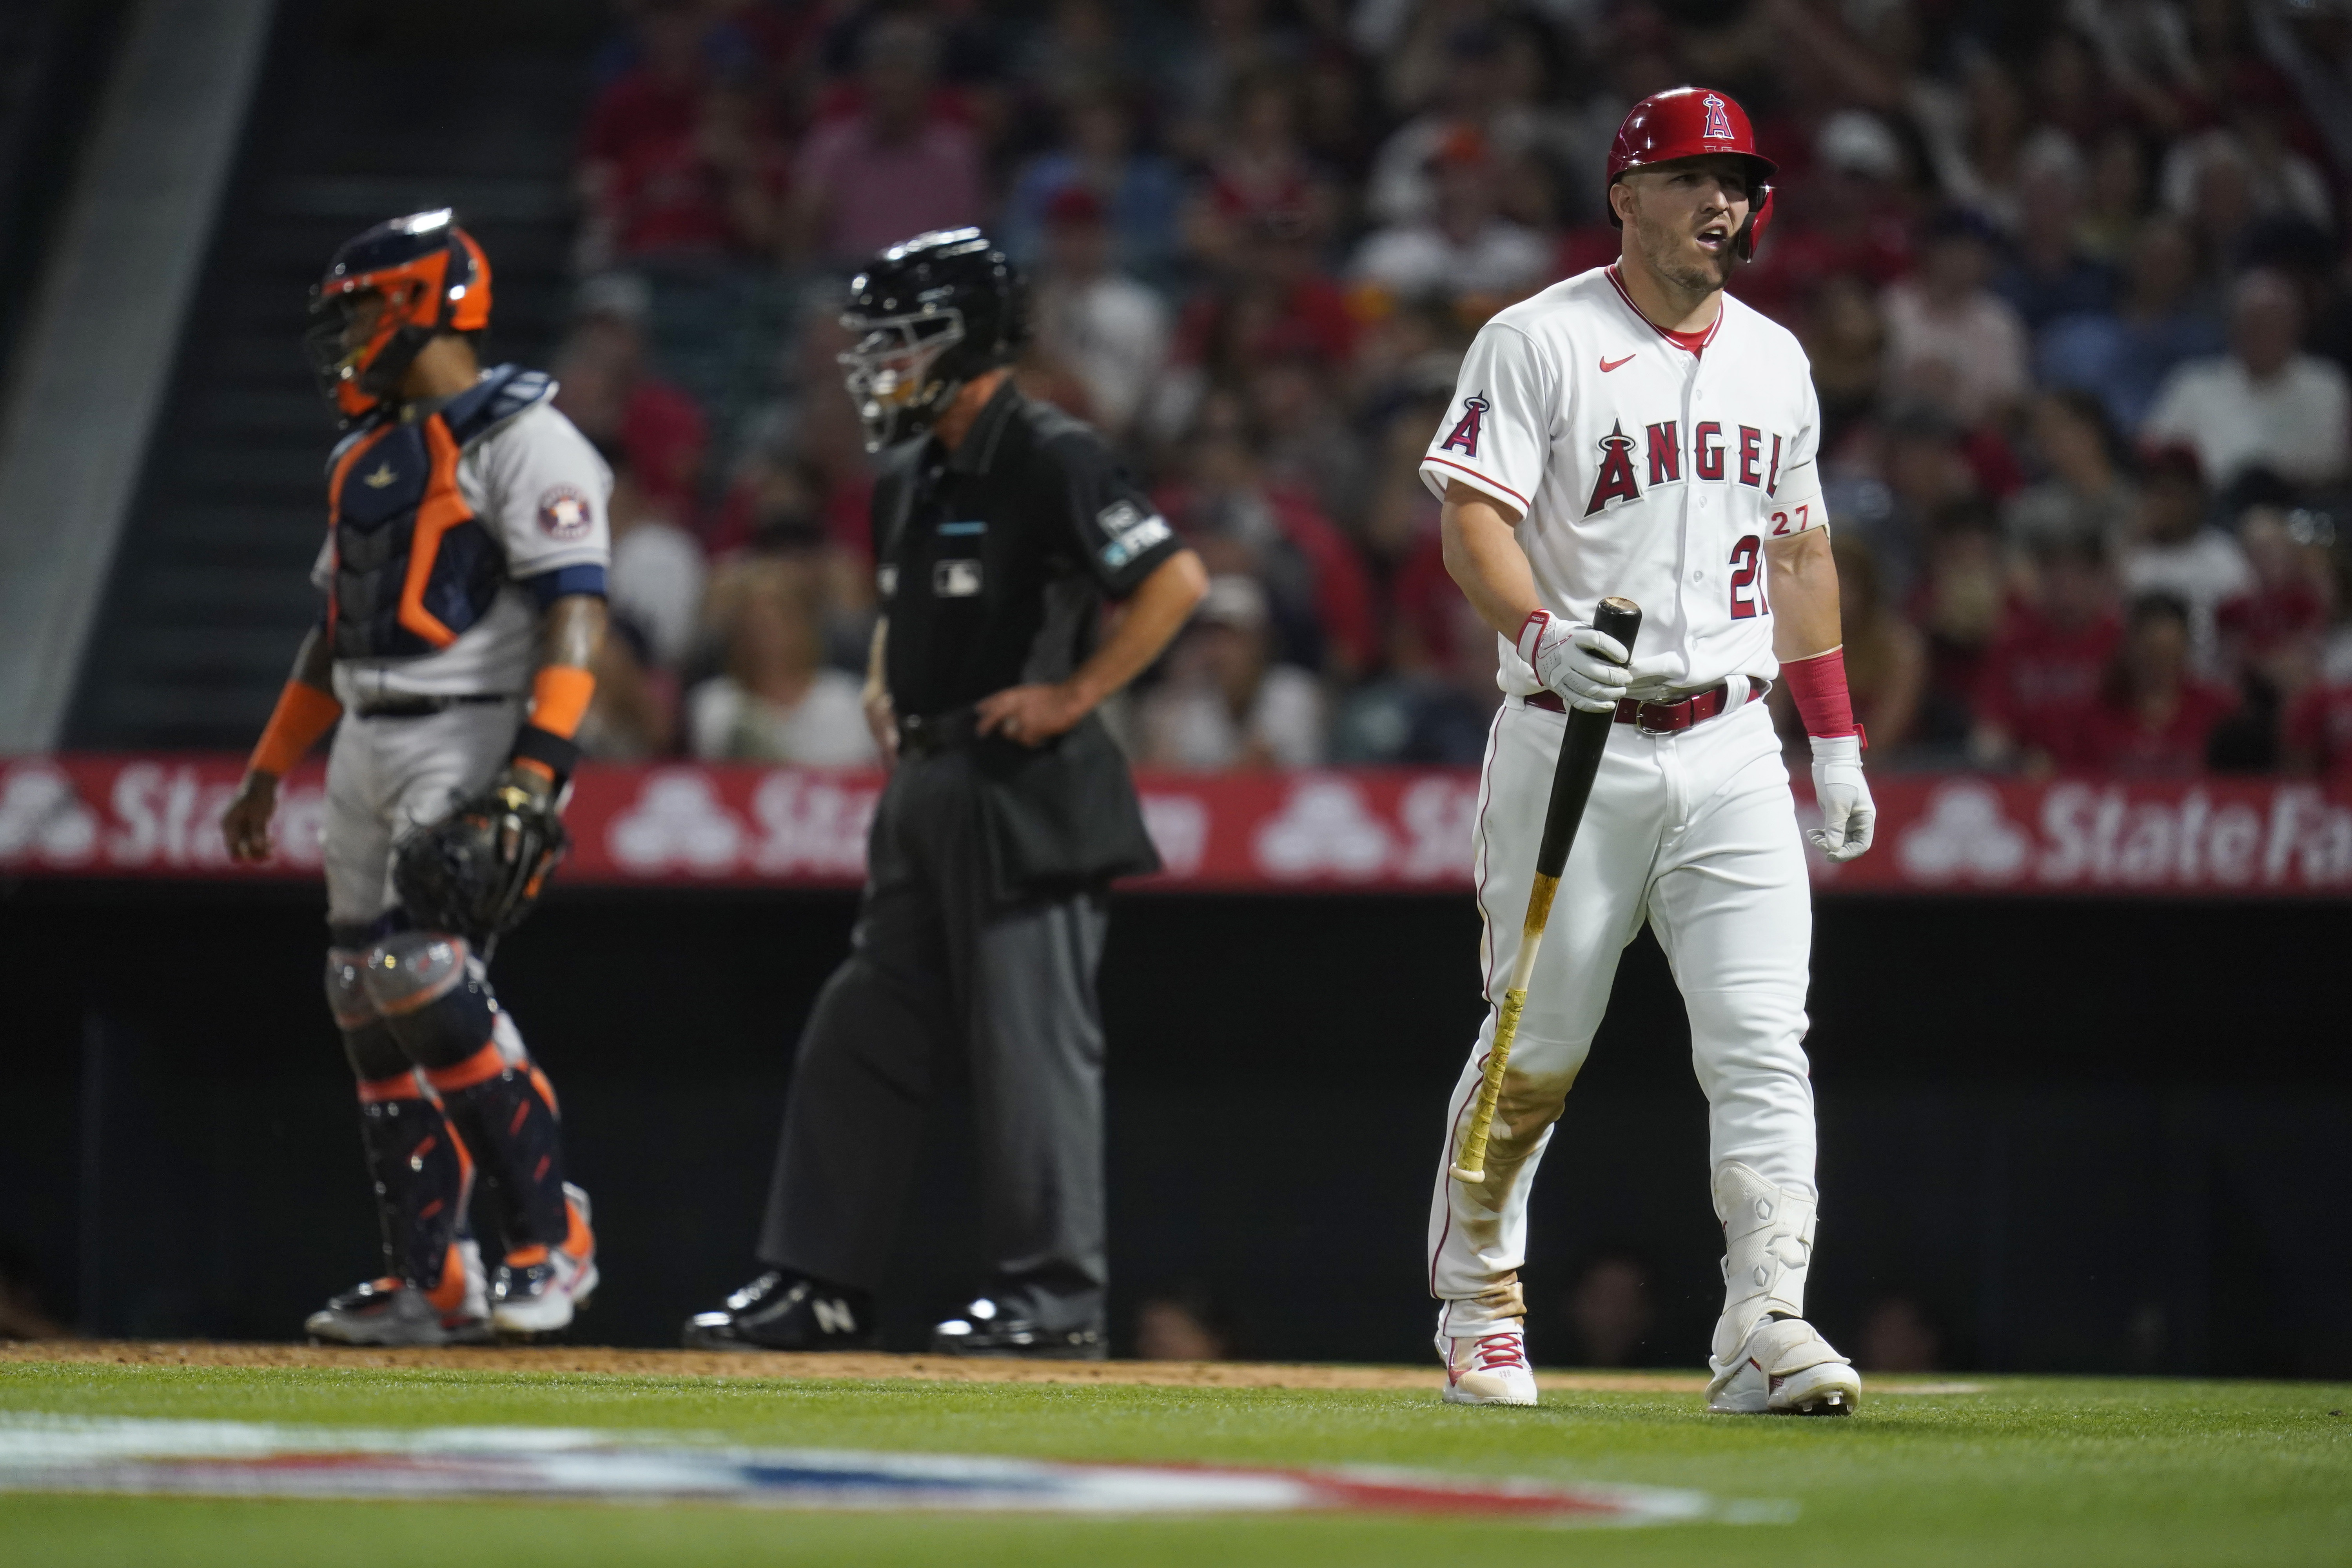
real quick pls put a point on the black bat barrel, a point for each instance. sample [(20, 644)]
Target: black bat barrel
[(1580, 749)]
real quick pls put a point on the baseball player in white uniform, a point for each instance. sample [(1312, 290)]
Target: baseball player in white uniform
[(464, 579), (1635, 431)]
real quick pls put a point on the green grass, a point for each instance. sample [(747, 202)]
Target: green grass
[(2078, 1472)]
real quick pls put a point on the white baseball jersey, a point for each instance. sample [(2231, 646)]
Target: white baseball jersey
[(1645, 464), (540, 489)]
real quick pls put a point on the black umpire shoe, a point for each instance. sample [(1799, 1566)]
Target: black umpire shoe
[(786, 1312), (985, 1329)]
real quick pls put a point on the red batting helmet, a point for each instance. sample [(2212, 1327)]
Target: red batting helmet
[(1691, 122)]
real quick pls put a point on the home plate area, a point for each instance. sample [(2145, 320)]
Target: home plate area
[(254, 1459)]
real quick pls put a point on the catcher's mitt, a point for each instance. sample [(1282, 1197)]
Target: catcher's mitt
[(477, 871)]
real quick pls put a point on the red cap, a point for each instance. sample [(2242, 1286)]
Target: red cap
[(1691, 122)]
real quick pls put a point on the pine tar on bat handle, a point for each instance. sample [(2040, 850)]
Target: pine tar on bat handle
[(1572, 785)]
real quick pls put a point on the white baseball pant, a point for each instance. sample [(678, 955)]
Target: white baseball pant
[(387, 774), (1695, 833)]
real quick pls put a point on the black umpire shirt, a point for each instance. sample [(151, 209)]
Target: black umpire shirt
[(993, 564)]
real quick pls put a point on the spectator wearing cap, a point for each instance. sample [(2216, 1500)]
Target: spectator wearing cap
[(895, 168), (2046, 664), (2124, 354), (2153, 718), (1139, 192), (1105, 330), (2264, 405), (1225, 703), (2082, 492), (1464, 249), (2172, 551), (1950, 339)]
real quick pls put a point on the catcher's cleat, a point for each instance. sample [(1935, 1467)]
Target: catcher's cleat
[(1488, 1369), (455, 1310), (785, 1311), (985, 1331), (1786, 1368), (540, 1289)]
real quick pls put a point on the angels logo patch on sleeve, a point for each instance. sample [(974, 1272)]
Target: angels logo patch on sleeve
[(566, 514), (1464, 437)]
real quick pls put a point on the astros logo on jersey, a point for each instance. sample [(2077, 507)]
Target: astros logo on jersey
[(1464, 437), (1718, 123)]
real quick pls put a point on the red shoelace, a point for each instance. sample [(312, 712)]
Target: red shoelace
[(1499, 1350)]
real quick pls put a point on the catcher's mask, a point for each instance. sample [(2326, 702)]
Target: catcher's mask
[(928, 315), (386, 294)]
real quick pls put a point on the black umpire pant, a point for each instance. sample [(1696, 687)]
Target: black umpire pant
[(939, 965)]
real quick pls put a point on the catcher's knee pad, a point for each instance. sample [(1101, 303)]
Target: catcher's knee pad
[(368, 1040), (432, 994)]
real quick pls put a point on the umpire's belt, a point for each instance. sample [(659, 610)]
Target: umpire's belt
[(1655, 718), (926, 734), (425, 707)]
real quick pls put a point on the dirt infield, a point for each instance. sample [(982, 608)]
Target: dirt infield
[(579, 1359)]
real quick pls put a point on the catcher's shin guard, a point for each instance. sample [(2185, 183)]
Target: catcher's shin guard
[(505, 1110), (436, 996), (422, 1175), (1766, 1358)]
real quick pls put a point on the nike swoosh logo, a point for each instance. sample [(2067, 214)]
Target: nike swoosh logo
[(1608, 365)]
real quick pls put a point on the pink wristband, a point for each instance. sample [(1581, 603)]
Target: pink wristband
[(1818, 686)]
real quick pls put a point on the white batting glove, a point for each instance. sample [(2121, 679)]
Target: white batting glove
[(1590, 670), (1848, 815)]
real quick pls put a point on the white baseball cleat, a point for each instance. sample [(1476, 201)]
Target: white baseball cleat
[(540, 1289), (1488, 1369), (1786, 1368)]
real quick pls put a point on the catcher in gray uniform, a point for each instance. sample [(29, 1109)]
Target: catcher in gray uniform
[(464, 575)]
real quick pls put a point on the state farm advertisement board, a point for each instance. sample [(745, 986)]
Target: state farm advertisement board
[(1368, 831)]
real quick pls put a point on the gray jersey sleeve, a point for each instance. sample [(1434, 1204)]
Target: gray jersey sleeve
[(541, 489)]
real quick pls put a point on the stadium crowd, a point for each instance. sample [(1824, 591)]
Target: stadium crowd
[(2071, 278)]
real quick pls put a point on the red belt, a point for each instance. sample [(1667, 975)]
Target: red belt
[(1655, 718)]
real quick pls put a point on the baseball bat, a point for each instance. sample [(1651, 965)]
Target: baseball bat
[(1571, 784)]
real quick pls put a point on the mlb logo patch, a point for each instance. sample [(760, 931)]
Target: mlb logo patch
[(565, 514), (955, 579)]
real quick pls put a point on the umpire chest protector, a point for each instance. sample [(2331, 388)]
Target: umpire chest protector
[(414, 567)]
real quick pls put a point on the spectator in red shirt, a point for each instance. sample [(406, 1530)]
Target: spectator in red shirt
[(895, 169), (2153, 719), (713, 187), (2045, 668)]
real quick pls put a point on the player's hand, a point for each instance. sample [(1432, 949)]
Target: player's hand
[(245, 824), (1848, 815), (537, 788), (1031, 715), (1590, 670)]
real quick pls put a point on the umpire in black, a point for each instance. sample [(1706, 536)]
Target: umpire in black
[(1000, 526)]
